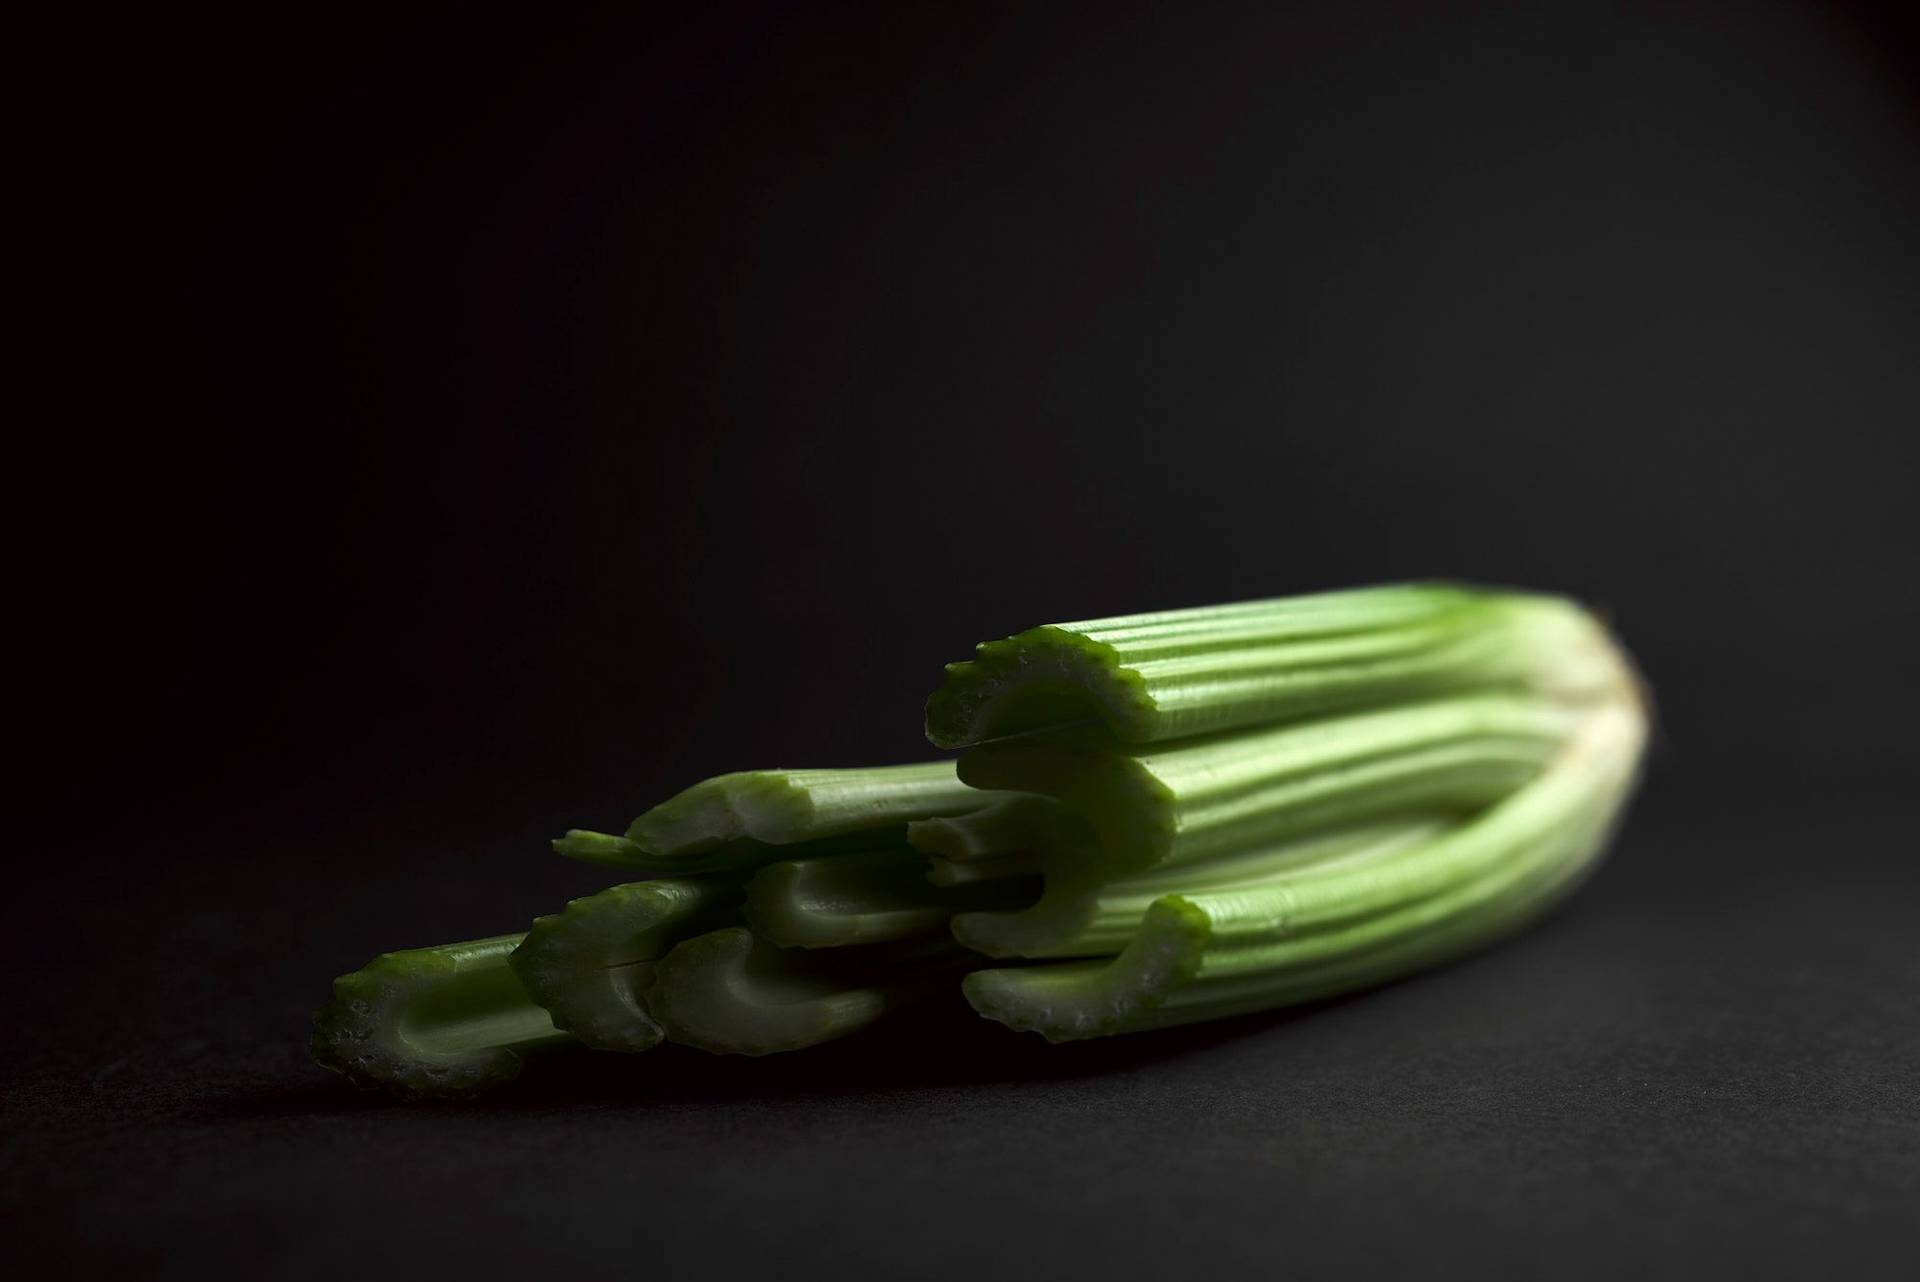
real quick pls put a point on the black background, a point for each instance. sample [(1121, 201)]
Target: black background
[(475, 423)]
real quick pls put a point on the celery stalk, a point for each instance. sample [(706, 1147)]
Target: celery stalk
[(1011, 823), (868, 898), (1180, 802), (749, 818), (729, 993), (586, 963), (942, 871), (1083, 912), (451, 1020), (1180, 673), (1211, 954)]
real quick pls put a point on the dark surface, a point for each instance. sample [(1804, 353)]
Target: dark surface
[(1703, 1065), (472, 424)]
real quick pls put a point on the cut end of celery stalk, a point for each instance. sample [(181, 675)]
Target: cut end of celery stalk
[(1067, 1001), (599, 848), (735, 819), (844, 900), (878, 897), (448, 1021), (731, 994), (968, 872), (1179, 673), (1011, 823), (587, 963)]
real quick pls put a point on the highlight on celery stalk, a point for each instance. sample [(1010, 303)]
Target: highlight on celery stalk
[(1163, 818)]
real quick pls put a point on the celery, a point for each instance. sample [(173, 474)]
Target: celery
[(1011, 823), (865, 898), (1180, 673), (1084, 913), (1326, 931), (749, 818), (1179, 816), (586, 963), (942, 871), (1203, 798), (451, 1020), (730, 993)]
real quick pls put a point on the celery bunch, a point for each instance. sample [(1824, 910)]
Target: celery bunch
[(1153, 820)]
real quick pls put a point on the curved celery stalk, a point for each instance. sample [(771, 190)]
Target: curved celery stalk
[(586, 963), (1011, 823), (1204, 798), (1180, 673), (1212, 954), (732, 994), (942, 871), (1085, 913), (879, 896), (746, 819), (446, 1021)]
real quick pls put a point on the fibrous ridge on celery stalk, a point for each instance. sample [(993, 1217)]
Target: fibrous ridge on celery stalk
[(587, 963), (1179, 673), (451, 1020), (1214, 796), (732, 994), (1211, 954), (1085, 912), (741, 820), (866, 898)]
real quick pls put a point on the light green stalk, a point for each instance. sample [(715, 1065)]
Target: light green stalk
[(587, 963), (942, 871), (746, 819), (449, 1021), (1197, 799), (732, 994), (1180, 673), (1011, 823), (869, 898), (1084, 912), (1212, 954)]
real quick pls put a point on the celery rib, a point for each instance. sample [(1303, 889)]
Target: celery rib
[(875, 897), (587, 963), (1182, 802), (1181, 673), (729, 993), (447, 1021), (1011, 823), (1207, 955), (942, 871), (1083, 913), (742, 820)]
